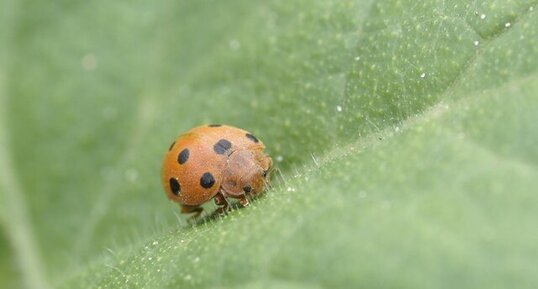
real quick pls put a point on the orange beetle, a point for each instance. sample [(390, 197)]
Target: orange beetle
[(214, 161)]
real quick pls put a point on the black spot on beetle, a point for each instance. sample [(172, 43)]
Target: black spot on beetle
[(171, 146), (247, 189), (207, 180), (222, 146), (183, 156), (252, 137), (175, 186), (214, 125)]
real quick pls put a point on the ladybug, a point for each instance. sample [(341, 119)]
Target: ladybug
[(215, 162)]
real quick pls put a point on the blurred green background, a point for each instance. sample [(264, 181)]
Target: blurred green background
[(405, 135)]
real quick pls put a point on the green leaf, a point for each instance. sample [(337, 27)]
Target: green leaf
[(405, 136)]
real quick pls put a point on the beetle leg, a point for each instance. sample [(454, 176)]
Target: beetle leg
[(243, 200), (223, 204), (197, 210)]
